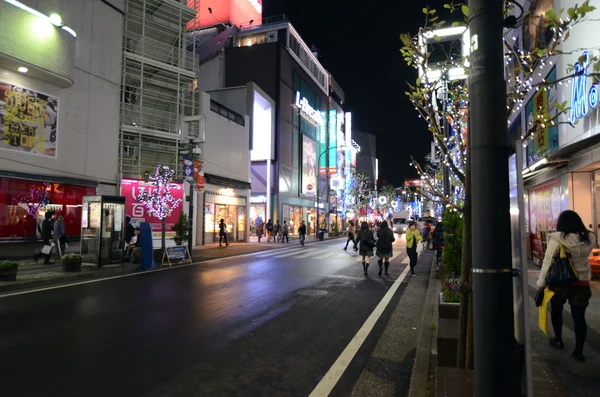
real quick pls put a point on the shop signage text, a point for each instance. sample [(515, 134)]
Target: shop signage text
[(307, 110), (258, 199), (582, 100)]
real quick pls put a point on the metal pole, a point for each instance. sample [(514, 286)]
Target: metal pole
[(446, 167), (497, 371)]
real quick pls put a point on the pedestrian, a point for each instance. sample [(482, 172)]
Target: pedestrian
[(351, 235), (285, 232), (260, 231), (269, 228), (302, 232), (385, 238), (135, 242), (46, 232), (426, 235), (412, 239), (223, 232), (276, 232), (366, 245), (129, 230), (437, 237), (578, 242), (60, 238)]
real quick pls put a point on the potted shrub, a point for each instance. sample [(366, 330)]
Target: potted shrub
[(450, 297), (8, 270), (181, 229), (71, 262)]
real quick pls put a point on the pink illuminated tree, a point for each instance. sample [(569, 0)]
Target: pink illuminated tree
[(36, 199), (159, 201)]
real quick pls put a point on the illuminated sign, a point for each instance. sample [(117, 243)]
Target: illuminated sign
[(382, 200), (332, 142), (257, 6), (258, 199), (394, 204), (307, 110), (243, 13), (582, 100)]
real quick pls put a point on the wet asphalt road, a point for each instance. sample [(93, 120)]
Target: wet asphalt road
[(271, 323)]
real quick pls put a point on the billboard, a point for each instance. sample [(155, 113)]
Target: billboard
[(28, 120), (309, 166), (238, 12), (131, 189)]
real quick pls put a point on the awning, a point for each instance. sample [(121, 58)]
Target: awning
[(227, 182), (570, 150)]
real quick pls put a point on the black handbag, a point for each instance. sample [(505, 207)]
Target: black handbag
[(561, 272), (539, 297)]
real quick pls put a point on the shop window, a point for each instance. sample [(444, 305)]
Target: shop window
[(23, 204)]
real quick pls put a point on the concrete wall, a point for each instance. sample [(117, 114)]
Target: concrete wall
[(88, 119)]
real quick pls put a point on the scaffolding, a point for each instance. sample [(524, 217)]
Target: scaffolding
[(157, 85)]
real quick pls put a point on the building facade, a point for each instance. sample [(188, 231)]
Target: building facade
[(60, 76), (561, 163)]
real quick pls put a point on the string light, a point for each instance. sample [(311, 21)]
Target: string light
[(159, 201)]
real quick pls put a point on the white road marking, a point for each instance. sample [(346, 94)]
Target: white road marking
[(277, 252), (406, 260), (334, 374), (290, 253), (310, 252)]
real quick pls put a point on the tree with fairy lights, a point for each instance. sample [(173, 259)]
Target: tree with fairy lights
[(36, 199), (452, 110), (359, 191), (159, 201)]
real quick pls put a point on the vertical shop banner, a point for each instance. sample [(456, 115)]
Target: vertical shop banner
[(132, 188), (198, 176), (28, 120), (188, 171), (546, 140), (322, 144), (309, 167), (333, 133)]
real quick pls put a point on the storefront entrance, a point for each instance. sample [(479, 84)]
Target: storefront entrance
[(232, 210)]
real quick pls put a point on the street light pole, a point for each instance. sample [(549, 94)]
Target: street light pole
[(497, 371)]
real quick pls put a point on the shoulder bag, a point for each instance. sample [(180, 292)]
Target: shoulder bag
[(561, 272)]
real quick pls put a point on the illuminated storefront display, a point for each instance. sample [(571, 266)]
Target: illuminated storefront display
[(582, 100), (24, 203), (230, 208), (309, 162), (28, 120)]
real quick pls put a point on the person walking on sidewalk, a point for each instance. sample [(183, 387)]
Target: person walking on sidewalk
[(438, 241), (276, 232), (385, 238), (285, 232), (60, 238), (302, 232), (412, 239), (46, 237), (351, 235), (260, 231), (223, 232), (269, 228), (577, 240), (366, 245)]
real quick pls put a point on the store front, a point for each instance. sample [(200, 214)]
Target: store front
[(224, 204), (24, 203), (258, 208)]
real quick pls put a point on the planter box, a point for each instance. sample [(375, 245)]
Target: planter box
[(447, 341), (71, 266), (8, 275), (448, 310)]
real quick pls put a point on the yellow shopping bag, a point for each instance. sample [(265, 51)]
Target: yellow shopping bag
[(543, 315)]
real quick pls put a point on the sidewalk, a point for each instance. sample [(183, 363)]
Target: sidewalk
[(32, 275)]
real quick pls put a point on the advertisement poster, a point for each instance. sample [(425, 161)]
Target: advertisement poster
[(544, 209), (28, 120), (131, 189), (309, 166), (546, 140)]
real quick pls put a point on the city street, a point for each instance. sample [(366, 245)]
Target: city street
[(269, 323)]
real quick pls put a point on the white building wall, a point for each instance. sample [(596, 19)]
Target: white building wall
[(88, 120)]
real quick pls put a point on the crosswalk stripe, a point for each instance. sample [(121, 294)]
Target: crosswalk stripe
[(309, 252), (276, 252), (290, 253), (406, 261)]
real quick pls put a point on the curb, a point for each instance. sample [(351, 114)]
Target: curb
[(419, 379), (71, 279)]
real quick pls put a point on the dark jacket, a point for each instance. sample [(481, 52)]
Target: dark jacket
[(269, 226), (46, 231), (366, 242), (438, 236), (222, 228), (385, 239), (129, 233), (302, 229)]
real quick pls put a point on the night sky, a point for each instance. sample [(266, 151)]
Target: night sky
[(360, 46)]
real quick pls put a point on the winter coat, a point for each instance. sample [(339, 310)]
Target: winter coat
[(260, 230), (579, 251), (364, 237), (385, 238), (412, 236), (285, 229), (46, 231), (269, 226), (302, 229), (222, 228), (276, 228), (129, 233), (438, 236)]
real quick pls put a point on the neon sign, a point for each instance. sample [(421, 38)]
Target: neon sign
[(582, 100), (307, 110), (257, 6)]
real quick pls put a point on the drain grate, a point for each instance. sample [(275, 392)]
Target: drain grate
[(312, 292)]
